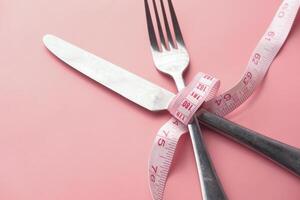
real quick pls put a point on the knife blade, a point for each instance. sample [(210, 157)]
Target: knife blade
[(127, 84), (156, 98)]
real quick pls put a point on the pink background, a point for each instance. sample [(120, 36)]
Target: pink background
[(63, 136)]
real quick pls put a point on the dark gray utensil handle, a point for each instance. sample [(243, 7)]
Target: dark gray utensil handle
[(210, 184), (283, 154)]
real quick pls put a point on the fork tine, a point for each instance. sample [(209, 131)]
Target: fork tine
[(151, 32), (176, 26), (167, 27), (161, 34)]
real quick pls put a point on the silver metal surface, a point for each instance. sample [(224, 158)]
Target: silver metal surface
[(171, 57), (129, 85), (287, 156)]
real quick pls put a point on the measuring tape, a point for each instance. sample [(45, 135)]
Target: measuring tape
[(202, 90)]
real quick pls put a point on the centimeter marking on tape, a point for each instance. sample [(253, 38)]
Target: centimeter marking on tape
[(161, 158), (167, 137), (260, 60), (188, 100)]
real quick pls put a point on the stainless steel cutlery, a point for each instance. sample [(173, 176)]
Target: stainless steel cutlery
[(155, 98)]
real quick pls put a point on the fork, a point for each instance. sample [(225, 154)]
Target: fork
[(171, 58)]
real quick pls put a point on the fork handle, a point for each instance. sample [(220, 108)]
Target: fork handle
[(210, 185), (282, 154)]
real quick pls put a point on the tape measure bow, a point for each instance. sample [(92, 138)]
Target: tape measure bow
[(185, 104)]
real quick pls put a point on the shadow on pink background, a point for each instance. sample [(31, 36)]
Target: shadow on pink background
[(62, 136)]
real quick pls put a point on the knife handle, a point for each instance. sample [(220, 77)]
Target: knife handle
[(210, 185), (282, 154)]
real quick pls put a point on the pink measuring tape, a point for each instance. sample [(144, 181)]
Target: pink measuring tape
[(201, 92)]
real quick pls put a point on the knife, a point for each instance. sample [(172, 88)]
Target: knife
[(156, 98)]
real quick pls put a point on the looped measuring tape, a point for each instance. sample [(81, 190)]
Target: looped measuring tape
[(201, 92), (186, 103)]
